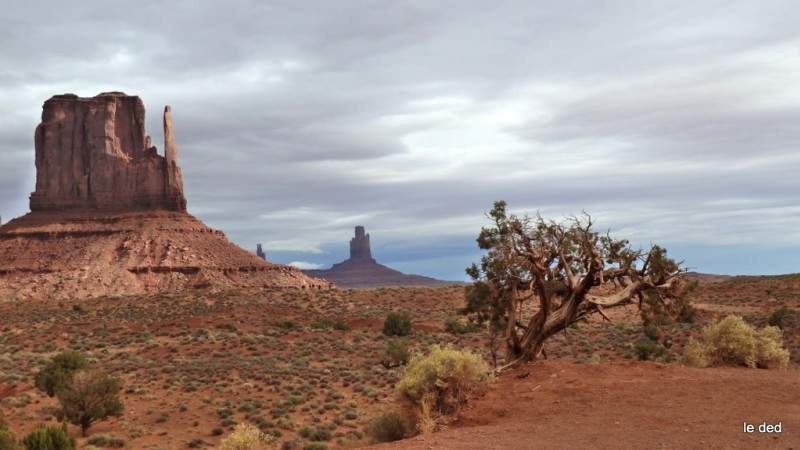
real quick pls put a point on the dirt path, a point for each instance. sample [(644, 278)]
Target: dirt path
[(630, 405)]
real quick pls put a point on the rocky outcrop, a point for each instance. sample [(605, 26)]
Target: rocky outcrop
[(108, 216), (362, 271), (260, 252), (93, 154), (359, 245)]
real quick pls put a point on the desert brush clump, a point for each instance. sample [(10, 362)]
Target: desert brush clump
[(397, 323), (440, 383), (246, 436), (388, 427), (49, 438), (8, 440), (734, 341)]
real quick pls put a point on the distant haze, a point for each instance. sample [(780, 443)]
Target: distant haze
[(672, 122)]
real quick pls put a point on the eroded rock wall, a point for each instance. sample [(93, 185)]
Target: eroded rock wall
[(93, 154)]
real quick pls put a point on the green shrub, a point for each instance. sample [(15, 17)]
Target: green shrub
[(397, 324), (652, 332), (285, 325), (776, 318), (315, 446), (734, 341), (58, 372), (647, 349), (439, 383), (341, 325), (397, 353), (105, 440), (245, 437), (8, 440), (387, 427), (456, 326), (49, 438)]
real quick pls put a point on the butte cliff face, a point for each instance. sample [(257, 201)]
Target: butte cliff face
[(362, 271), (93, 154), (108, 216)]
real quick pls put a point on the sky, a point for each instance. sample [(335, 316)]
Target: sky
[(670, 122)]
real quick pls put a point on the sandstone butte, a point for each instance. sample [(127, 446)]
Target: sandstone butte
[(362, 271), (108, 214)]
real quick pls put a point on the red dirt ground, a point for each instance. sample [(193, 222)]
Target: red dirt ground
[(634, 405)]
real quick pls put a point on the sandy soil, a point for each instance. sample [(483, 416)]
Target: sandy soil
[(637, 405)]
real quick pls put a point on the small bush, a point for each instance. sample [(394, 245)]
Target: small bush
[(245, 437), (455, 326), (341, 325), (106, 440), (387, 427), (694, 354), (652, 332), (397, 324), (776, 318), (49, 438), (397, 353), (286, 325), (8, 440), (315, 446), (734, 341), (647, 349), (439, 383)]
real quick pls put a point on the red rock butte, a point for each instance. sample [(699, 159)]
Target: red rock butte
[(362, 271), (93, 154), (108, 215)]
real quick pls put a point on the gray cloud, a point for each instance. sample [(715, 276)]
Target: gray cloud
[(671, 122)]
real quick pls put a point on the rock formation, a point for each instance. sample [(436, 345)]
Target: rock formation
[(359, 245), (93, 154), (260, 252), (108, 216), (362, 271)]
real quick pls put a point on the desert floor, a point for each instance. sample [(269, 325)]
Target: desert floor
[(306, 366)]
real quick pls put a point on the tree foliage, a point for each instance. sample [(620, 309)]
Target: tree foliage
[(58, 372), (540, 276), (90, 396)]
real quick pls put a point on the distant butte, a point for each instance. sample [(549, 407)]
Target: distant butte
[(108, 214), (362, 271)]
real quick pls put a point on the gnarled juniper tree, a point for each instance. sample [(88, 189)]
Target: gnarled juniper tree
[(540, 276)]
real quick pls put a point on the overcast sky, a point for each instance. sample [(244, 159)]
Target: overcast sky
[(672, 122)]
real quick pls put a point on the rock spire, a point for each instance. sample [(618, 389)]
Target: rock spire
[(93, 154), (362, 271), (359, 245)]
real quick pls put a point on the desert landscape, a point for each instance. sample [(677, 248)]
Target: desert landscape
[(306, 367), (198, 340)]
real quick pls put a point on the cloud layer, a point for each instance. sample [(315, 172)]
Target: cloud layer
[(671, 122)]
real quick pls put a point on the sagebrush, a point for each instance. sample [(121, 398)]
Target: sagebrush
[(246, 436), (439, 383), (734, 341)]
